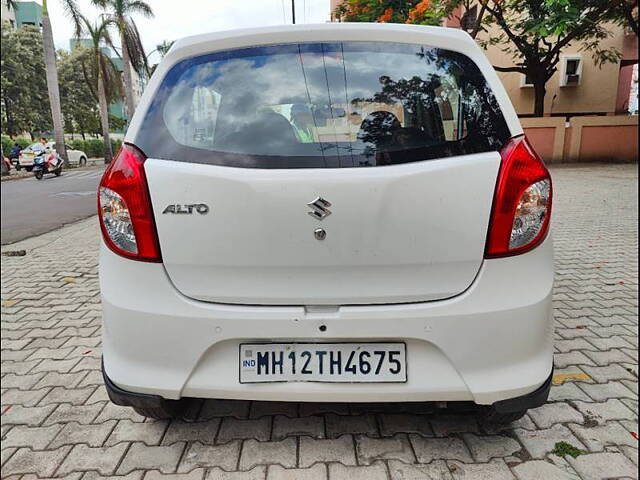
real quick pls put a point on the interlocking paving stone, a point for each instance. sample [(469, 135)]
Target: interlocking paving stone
[(596, 466), (338, 471), (196, 474), (92, 435), (317, 472), (542, 470), (224, 408), (341, 449), (345, 424), (256, 473), (371, 449), (234, 429), (76, 396), (496, 469), (284, 427), (602, 391), (612, 409), (282, 452), (260, 409), (200, 455), (541, 442), (37, 438), (429, 449), (144, 457), (137, 475), (25, 398), (390, 424), (84, 458), (20, 415), (148, 433), (42, 463), (445, 425), (52, 390), (597, 438), (485, 448), (65, 413), (552, 413), (204, 432), (436, 470)]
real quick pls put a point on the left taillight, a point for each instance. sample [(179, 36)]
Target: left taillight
[(124, 208)]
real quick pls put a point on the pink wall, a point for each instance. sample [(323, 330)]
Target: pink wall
[(542, 140), (618, 142)]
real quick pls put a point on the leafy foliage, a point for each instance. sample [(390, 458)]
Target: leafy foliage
[(8, 143), (25, 104), (562, 449), (533, 33), (93, 147), (79, 106)]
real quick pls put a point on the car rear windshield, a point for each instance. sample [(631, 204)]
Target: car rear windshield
[(315, 105)]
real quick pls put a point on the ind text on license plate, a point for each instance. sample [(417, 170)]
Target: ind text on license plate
[(322, 362)]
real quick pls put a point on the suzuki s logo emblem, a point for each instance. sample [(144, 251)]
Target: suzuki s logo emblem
[(319, 208)]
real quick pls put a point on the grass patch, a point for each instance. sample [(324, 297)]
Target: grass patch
[(562, 449)]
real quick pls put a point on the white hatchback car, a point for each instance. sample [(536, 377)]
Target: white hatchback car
[(25, 160), (327, 213)]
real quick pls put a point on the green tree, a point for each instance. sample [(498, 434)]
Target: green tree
[(535, 32), (163, 48), (532, 32), (101, 75), (133, 55), (24, 102), (79, 106)]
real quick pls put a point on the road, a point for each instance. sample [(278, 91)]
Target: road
[(31, 207)]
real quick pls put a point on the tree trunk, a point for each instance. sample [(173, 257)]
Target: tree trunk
[(539, 90), (128, 81), (104, 120), (52, 82), (4, 170)]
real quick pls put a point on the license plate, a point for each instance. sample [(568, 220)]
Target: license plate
[(322, 362)]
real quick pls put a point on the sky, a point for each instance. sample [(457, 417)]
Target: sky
[(177, 19)]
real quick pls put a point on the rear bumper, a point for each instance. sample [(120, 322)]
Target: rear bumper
[(144, 400), (491, 343)]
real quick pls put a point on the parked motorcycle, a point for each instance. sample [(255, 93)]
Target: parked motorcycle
[(47, 163)]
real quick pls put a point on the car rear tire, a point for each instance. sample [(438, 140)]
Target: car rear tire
[(83, 161), (168, 410), (18, 167), (28, 169)]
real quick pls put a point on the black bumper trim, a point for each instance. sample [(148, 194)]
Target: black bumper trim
[(130, 399), (534, 399)]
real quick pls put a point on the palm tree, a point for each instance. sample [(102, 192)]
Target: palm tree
[(11, 4), (51, 71), (100, 73), (133, 54)]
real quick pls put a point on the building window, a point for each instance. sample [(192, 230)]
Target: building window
[(571, 71)]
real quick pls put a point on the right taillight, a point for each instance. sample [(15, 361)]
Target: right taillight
[(522, 202)]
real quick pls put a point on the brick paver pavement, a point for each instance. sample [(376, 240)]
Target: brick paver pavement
[(57, 421)]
